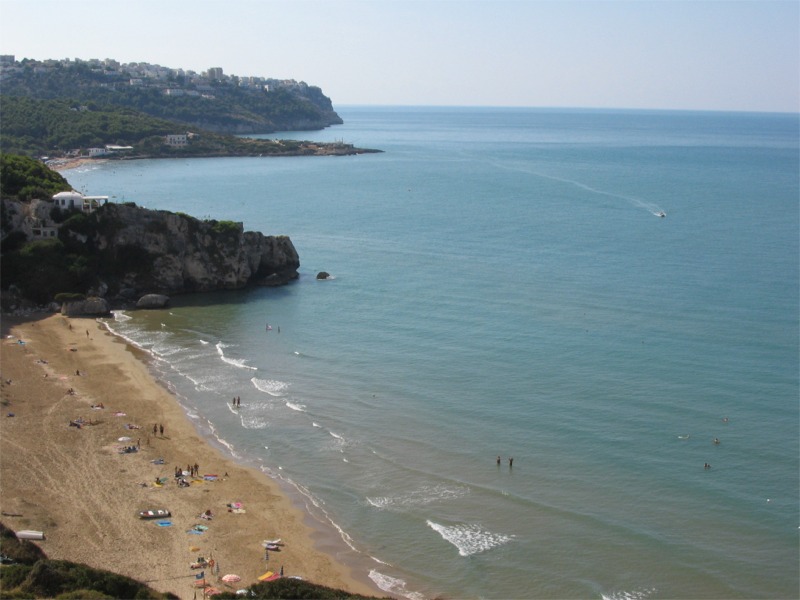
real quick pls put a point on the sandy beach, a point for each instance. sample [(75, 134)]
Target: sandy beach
[(78, 485), (63, 164)]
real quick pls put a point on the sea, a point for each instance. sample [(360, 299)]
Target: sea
[(607, 297)]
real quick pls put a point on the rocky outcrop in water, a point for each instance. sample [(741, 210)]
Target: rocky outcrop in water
[(168, 253), (152, 301)]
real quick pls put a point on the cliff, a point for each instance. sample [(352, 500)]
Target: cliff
[(121, 251), (183, 254)]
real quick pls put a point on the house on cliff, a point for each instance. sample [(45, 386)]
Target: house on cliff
[(77, 201)]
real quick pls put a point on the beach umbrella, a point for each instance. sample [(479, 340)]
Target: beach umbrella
[(231, 578)]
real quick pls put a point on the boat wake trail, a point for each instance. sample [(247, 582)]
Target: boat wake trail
[(651, 207), (648, 206)]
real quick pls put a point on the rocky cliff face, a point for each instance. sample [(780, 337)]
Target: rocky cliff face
[(135, 251), (172, 253)]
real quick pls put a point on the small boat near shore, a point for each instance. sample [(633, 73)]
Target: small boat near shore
[(155, 513), (29, 534), (661, 214)]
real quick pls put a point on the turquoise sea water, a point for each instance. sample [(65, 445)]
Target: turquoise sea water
[(503, 286)]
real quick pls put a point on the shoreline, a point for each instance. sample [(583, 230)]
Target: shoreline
[(313, 149), (76, 486)]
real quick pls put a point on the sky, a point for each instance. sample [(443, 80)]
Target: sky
[(668, 54)]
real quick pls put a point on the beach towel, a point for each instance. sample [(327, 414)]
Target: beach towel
[(194, 532), (210, 477), (165, 523), (266, 576)]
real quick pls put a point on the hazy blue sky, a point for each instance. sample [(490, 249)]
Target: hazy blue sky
[(718, 55)]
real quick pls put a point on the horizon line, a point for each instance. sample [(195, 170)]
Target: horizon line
[(564, 108)]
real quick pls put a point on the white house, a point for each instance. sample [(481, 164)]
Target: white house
[(68, 200), (77, 201)]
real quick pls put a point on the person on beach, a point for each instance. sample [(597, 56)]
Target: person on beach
[(498, 461), (155, 429), (510, 462), (161, 430)]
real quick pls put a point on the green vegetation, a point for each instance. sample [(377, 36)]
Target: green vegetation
[(33, 127), (24, 179), (209, 105), (228, 228)]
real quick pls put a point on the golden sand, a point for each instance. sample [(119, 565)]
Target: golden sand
[(76, 486)]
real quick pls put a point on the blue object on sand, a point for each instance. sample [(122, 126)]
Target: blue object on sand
[(164, 523)]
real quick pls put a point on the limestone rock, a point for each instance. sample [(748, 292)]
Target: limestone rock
[(90, 307), (152, 301)]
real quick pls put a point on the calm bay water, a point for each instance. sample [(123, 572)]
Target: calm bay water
[(504, 286)]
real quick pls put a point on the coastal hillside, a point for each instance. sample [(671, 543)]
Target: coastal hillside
[(88, 246), (212, 100), (67, 129)]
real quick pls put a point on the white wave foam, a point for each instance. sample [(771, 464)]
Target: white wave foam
[(273, 387), (640, 594), (205, 343), (236, 362), (120, 316), (255, 423), (222, 440), (393, 585), (318, 504), (470, 539), (315, 424), (297, 407), (425, 495)]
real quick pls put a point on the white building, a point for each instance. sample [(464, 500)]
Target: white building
[(77, 201)]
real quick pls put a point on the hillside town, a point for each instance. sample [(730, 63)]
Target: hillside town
[(172, 82)]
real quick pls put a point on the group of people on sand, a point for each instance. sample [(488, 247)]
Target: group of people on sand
[(158, 429)]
